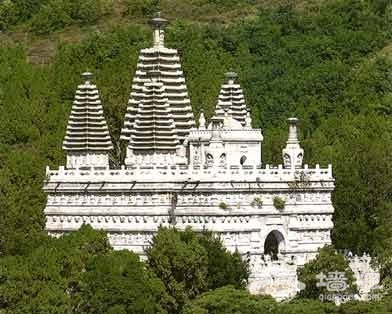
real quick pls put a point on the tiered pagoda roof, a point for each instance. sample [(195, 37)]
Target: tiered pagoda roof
[(87, 130), (167, 62), (153, 126), (231, 99)]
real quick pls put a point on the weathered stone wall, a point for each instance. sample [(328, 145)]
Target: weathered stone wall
[(131, 204)]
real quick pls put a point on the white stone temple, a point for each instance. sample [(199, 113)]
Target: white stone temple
[(209, 176)]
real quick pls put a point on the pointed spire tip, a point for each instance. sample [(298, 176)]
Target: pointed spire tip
[(158, 21), (293, 120), (87, 76), (231, 75)]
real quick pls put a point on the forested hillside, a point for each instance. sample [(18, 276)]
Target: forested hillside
[(327, 62)]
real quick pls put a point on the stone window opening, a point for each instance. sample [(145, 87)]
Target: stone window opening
[(242, 160)]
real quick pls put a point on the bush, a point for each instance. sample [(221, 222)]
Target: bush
[(257, 202), (191, 263), (141, 8), (228, 300), (7, 14), (223, 205), (53, 16), (118, 282), (89, 11), (57, 14), (45, 280), (279, 203), (327, 261)]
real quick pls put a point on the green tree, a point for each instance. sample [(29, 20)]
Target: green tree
[(326, 62), (190, 263), (117, 282), (383, 306), (224, 268), (45, 280), (182, 264), (307, 306), (328, 260), (228, 300), (383, 246), (56, 14), (362, 168)]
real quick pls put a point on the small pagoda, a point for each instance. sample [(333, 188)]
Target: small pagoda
[(87, 140)]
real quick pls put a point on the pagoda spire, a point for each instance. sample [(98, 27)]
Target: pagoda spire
[(153, 136), (158, 24), (87, 140), (202, 120), (231, 98), (293, 153), (166, 61), (248, 120), (154, 127)]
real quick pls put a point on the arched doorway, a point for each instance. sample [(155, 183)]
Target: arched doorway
[(274, 244)]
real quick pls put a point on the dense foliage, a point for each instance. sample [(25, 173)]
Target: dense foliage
[(190, 264), (327, 261), (80, 273), (228, 300), (118, 283), (45, 16), (328, 63), (46, 279)]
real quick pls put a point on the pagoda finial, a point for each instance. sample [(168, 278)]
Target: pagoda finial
[(216, 123), (293, 153), (248, 120), (231, 77), (293, 132), (202, 120), (87, 76), (158, 24)]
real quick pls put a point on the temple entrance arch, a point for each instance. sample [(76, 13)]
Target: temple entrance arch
[(274, 244)]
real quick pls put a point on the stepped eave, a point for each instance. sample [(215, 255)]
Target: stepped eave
[(231, 99), (87, 130)]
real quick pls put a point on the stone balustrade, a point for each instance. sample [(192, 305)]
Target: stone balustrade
[(184, 173)]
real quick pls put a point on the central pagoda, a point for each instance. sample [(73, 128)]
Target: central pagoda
[(163, 65)]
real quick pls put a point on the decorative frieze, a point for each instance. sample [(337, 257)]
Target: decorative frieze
[(312, 235), (235, 199), (145, 219), (311, 222)]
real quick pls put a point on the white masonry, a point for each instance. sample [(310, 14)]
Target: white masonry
[(176, 174)]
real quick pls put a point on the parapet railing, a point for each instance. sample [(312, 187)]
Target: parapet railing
[(196, 132), (185, 173)]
